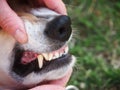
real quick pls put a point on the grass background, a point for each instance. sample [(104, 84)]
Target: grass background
[(96, 43)]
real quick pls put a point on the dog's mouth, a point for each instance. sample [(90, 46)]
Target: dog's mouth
[(27, 61), (29, 56)]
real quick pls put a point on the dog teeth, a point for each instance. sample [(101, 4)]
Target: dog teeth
[(51, 56), (56, 55), (61, 53), (40, 61), (66, 50), (46, 56)]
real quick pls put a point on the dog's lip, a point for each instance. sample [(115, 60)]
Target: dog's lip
[(25, 69), (29, 56)]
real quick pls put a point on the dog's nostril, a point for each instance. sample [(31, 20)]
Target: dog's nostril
[(59, 28)]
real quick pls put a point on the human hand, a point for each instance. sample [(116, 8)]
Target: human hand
[(56, 84), (13, 25)]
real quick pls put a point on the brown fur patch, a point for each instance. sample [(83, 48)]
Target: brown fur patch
[(28, 16)]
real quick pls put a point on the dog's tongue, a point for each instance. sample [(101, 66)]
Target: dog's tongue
[(28, 57)]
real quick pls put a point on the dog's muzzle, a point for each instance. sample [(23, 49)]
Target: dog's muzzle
[(58, 29)]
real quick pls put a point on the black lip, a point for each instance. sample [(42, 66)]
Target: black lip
[(24, 69)]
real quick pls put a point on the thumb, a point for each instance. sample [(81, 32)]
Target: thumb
[(11, 23)]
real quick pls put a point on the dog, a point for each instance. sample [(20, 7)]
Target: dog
[(44, 57)]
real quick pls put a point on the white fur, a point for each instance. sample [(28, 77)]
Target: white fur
[(36, 37), (52, 75)]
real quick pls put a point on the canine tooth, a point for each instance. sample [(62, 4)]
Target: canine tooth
[(40, 61), (46, 56)]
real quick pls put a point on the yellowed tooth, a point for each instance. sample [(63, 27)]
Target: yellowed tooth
[(50, 56), (40, 61), (46, 56)]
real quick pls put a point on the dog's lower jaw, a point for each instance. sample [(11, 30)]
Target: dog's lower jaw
[(34, 79), (10, 81), (45, 77)]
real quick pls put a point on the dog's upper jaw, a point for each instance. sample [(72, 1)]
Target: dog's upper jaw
[(35, 30)]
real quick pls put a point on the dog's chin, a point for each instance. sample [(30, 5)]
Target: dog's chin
[(23, 69)]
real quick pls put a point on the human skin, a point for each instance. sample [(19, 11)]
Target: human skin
[(13, 25), (56, 84)]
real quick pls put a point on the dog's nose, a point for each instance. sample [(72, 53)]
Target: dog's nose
[(59, 28)]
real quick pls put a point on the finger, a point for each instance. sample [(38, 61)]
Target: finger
[(11, 23), (56, 5), (56, 84), (63, 81), (41, 3), (48, 87)]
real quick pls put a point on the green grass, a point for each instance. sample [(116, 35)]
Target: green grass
[(97, 43), (93, 71)]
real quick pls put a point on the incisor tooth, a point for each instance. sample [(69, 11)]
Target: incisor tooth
[(50, 56), (61, 53), (40, 61), (46, 56), (56, 55), (66, 50)]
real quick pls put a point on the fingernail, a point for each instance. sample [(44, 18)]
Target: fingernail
[(20, 36)]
